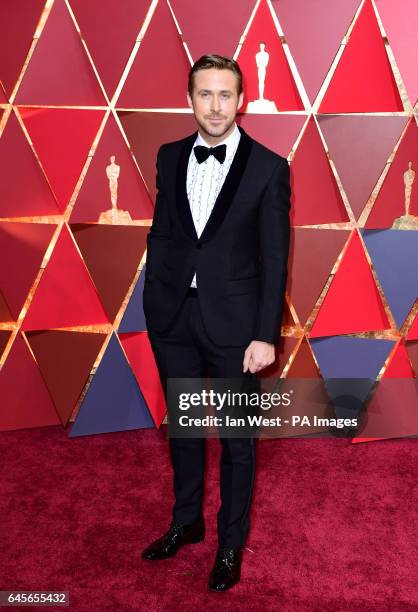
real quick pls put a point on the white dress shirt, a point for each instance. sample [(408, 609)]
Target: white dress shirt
[(204, 181)]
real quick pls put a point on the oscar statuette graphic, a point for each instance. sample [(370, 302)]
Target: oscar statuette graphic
[(114, 215), (262, 105), (407, 221)]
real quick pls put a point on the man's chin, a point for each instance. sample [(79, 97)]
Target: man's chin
[(213, 129)]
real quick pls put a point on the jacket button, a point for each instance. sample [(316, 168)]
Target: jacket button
[(198, 246)]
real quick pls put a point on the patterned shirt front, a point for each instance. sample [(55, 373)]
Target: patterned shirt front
[(205, 180)]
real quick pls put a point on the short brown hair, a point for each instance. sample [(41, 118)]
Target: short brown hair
[(219, 62)]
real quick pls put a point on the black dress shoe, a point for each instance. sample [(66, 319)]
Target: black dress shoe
[(226, 570), (177, 536)]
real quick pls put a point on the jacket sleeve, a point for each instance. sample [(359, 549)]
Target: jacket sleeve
[(160, 231), (274, 238)]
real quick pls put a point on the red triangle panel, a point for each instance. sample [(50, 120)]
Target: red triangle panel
[(352, 303), (65, 295)]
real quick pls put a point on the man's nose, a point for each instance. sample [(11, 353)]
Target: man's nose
[(215, 103)]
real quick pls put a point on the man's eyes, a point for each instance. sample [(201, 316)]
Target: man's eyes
[(204, 94)]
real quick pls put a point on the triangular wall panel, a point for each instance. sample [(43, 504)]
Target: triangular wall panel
[(360, 146), (22, 198), (141, 88), (65, 295), (279, 84), (394, 254), (363, 80), (140, 356), (318, 26), (24, 405), (277, 132), (313, 253), (65, 359), (113, 401), (400, 22), (399, 365), (146, 132), (393, 199), (352, 303), (134, 319), (59, 72), (316, 198), (350, 357), (21, 18), (303, 364), (22, 248), (112, 185), (112, 256), (349, 366), (203, 35), (62, 138), (118, 25)]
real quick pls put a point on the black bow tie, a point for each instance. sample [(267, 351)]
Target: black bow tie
[(202, 153)]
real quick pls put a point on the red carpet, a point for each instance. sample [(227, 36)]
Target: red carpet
[(333, 524)]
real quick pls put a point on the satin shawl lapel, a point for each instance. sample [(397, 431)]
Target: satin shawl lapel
[(226, 194)]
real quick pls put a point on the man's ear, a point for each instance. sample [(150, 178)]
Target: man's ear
[(189, 100), (240, 100)]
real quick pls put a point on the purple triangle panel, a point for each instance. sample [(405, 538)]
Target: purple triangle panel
[(134, 319), (349, 367), (394, 254), (114, 401), (348, 357)]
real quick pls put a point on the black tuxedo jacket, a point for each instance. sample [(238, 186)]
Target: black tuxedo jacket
[(240, 259)]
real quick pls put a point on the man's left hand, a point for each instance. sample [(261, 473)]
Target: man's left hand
[(258, 355)]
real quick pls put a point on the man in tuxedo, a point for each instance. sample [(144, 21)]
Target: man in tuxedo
[(214, 291)]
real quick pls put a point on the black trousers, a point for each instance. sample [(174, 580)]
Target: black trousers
[(186, 351)]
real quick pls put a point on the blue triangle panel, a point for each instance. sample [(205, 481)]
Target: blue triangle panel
[(134, 319), (349, 366), (394, 254), (348, 357), (114, 401)]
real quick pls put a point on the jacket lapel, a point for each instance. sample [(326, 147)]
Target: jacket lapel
[(226, 194), (182, 201)]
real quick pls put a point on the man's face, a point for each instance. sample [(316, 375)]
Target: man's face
[(215, 100)]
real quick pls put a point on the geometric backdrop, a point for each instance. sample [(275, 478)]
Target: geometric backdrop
[(88, 93)]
